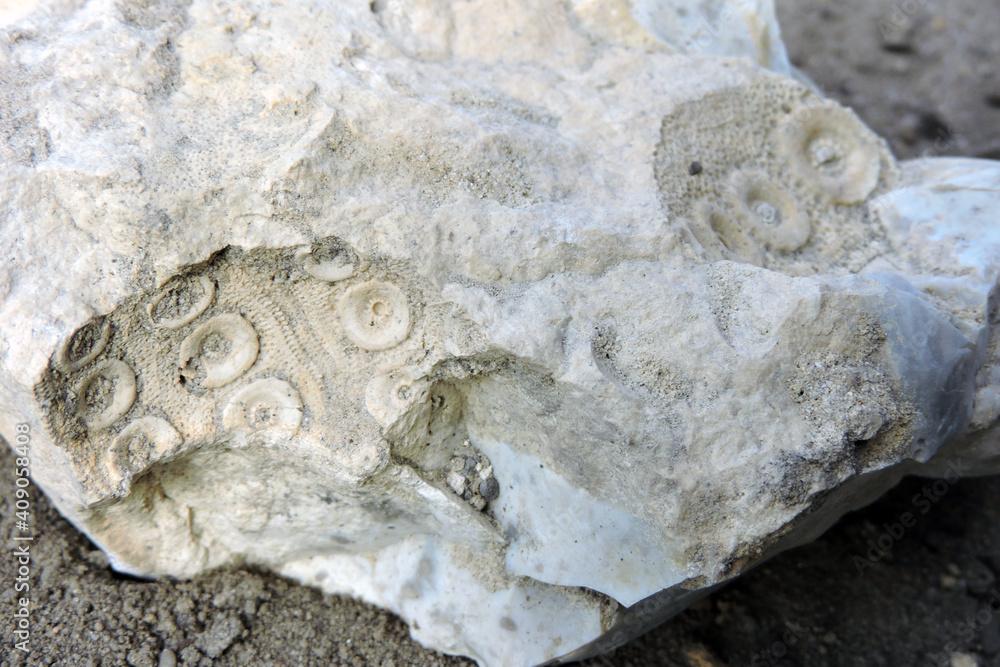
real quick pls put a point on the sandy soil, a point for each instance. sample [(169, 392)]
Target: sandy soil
[(870, 592)]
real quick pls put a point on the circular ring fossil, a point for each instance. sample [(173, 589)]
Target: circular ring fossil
[(375, 315), (770, 211), (142, 442), (839, 154), (84, 345), (106, 394), (267, 405), (328, 264), (219, 351), (179, 303)]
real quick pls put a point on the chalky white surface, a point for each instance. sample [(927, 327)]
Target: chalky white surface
[(687, 310)]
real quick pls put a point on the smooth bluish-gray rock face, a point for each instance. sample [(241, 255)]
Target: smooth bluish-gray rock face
[(532, 322)]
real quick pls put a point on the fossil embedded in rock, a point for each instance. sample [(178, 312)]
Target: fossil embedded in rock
[(218, 351), (533, 326), (375, 315), (140, 444), (106, 394), (181, 302), (84, 346), (269, 405), (830, 145), (769, 211), (329, 262)]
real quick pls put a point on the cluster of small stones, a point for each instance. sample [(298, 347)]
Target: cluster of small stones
[(470, 475)]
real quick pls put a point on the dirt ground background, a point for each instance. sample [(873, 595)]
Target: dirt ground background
[(924, 74)]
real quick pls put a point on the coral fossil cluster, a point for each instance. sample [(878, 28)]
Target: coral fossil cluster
[(531, 322)]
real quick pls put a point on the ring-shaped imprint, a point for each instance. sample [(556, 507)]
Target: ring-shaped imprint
[(141, 443), (180, 302), (218, 351), (834, 149), (770, 211), (84, 345), (268, 405), (106, 394), (375, 315)]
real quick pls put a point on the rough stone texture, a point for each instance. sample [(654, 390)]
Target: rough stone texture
[(738, 306)]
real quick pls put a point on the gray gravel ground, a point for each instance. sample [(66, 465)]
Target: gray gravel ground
[(926, 75)]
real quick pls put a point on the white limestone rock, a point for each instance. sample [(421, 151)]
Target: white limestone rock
[(529, 321)]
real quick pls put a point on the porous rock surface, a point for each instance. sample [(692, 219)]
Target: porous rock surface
[(531, 322)]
